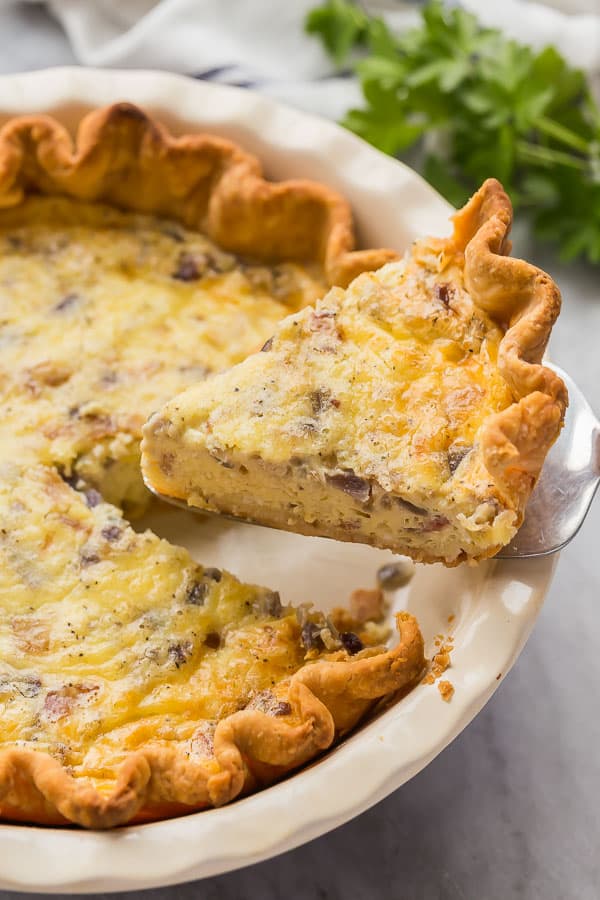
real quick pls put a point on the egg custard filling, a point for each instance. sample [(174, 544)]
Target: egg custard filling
[(389, 412), (110, 638), (104, 315)]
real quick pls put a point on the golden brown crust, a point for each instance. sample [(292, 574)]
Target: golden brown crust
[(122, 157), (251, 748), (526, 302)]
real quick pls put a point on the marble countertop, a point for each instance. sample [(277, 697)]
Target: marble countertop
[(510, 809)]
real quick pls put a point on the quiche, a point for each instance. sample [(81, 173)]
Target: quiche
[(136, 683), (410, 410), (134, 263)]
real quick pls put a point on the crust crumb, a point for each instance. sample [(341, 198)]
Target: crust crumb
[(441, 659), (446, 690)]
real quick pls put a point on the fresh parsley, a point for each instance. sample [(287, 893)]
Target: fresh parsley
[(480, 105)]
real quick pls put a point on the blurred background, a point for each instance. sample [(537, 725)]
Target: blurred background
[(460, 91)]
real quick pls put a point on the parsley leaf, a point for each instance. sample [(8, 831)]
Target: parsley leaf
[(340, 26), (488, 105)]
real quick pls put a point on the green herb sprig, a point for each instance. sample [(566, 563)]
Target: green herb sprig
[(481, 105)]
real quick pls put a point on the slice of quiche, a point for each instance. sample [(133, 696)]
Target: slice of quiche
[(137, 684), (409, 411)]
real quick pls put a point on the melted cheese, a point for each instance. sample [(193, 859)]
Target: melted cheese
[(111, 639), (104, 315)]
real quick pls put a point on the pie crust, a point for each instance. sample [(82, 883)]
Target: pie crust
[(411, 411), (123, 159)]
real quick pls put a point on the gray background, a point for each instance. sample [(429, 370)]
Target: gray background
[(511, 808)]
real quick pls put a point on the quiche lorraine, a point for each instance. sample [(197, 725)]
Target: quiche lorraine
[(409, 411), (134, 682)]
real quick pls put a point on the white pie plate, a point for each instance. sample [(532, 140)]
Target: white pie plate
[(495, 605)]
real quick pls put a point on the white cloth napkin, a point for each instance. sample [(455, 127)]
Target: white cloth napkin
[(261, 43)]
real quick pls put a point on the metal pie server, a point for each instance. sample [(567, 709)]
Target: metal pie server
[(565, 490)]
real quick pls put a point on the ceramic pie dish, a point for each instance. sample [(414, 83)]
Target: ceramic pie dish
[(510, 595)]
